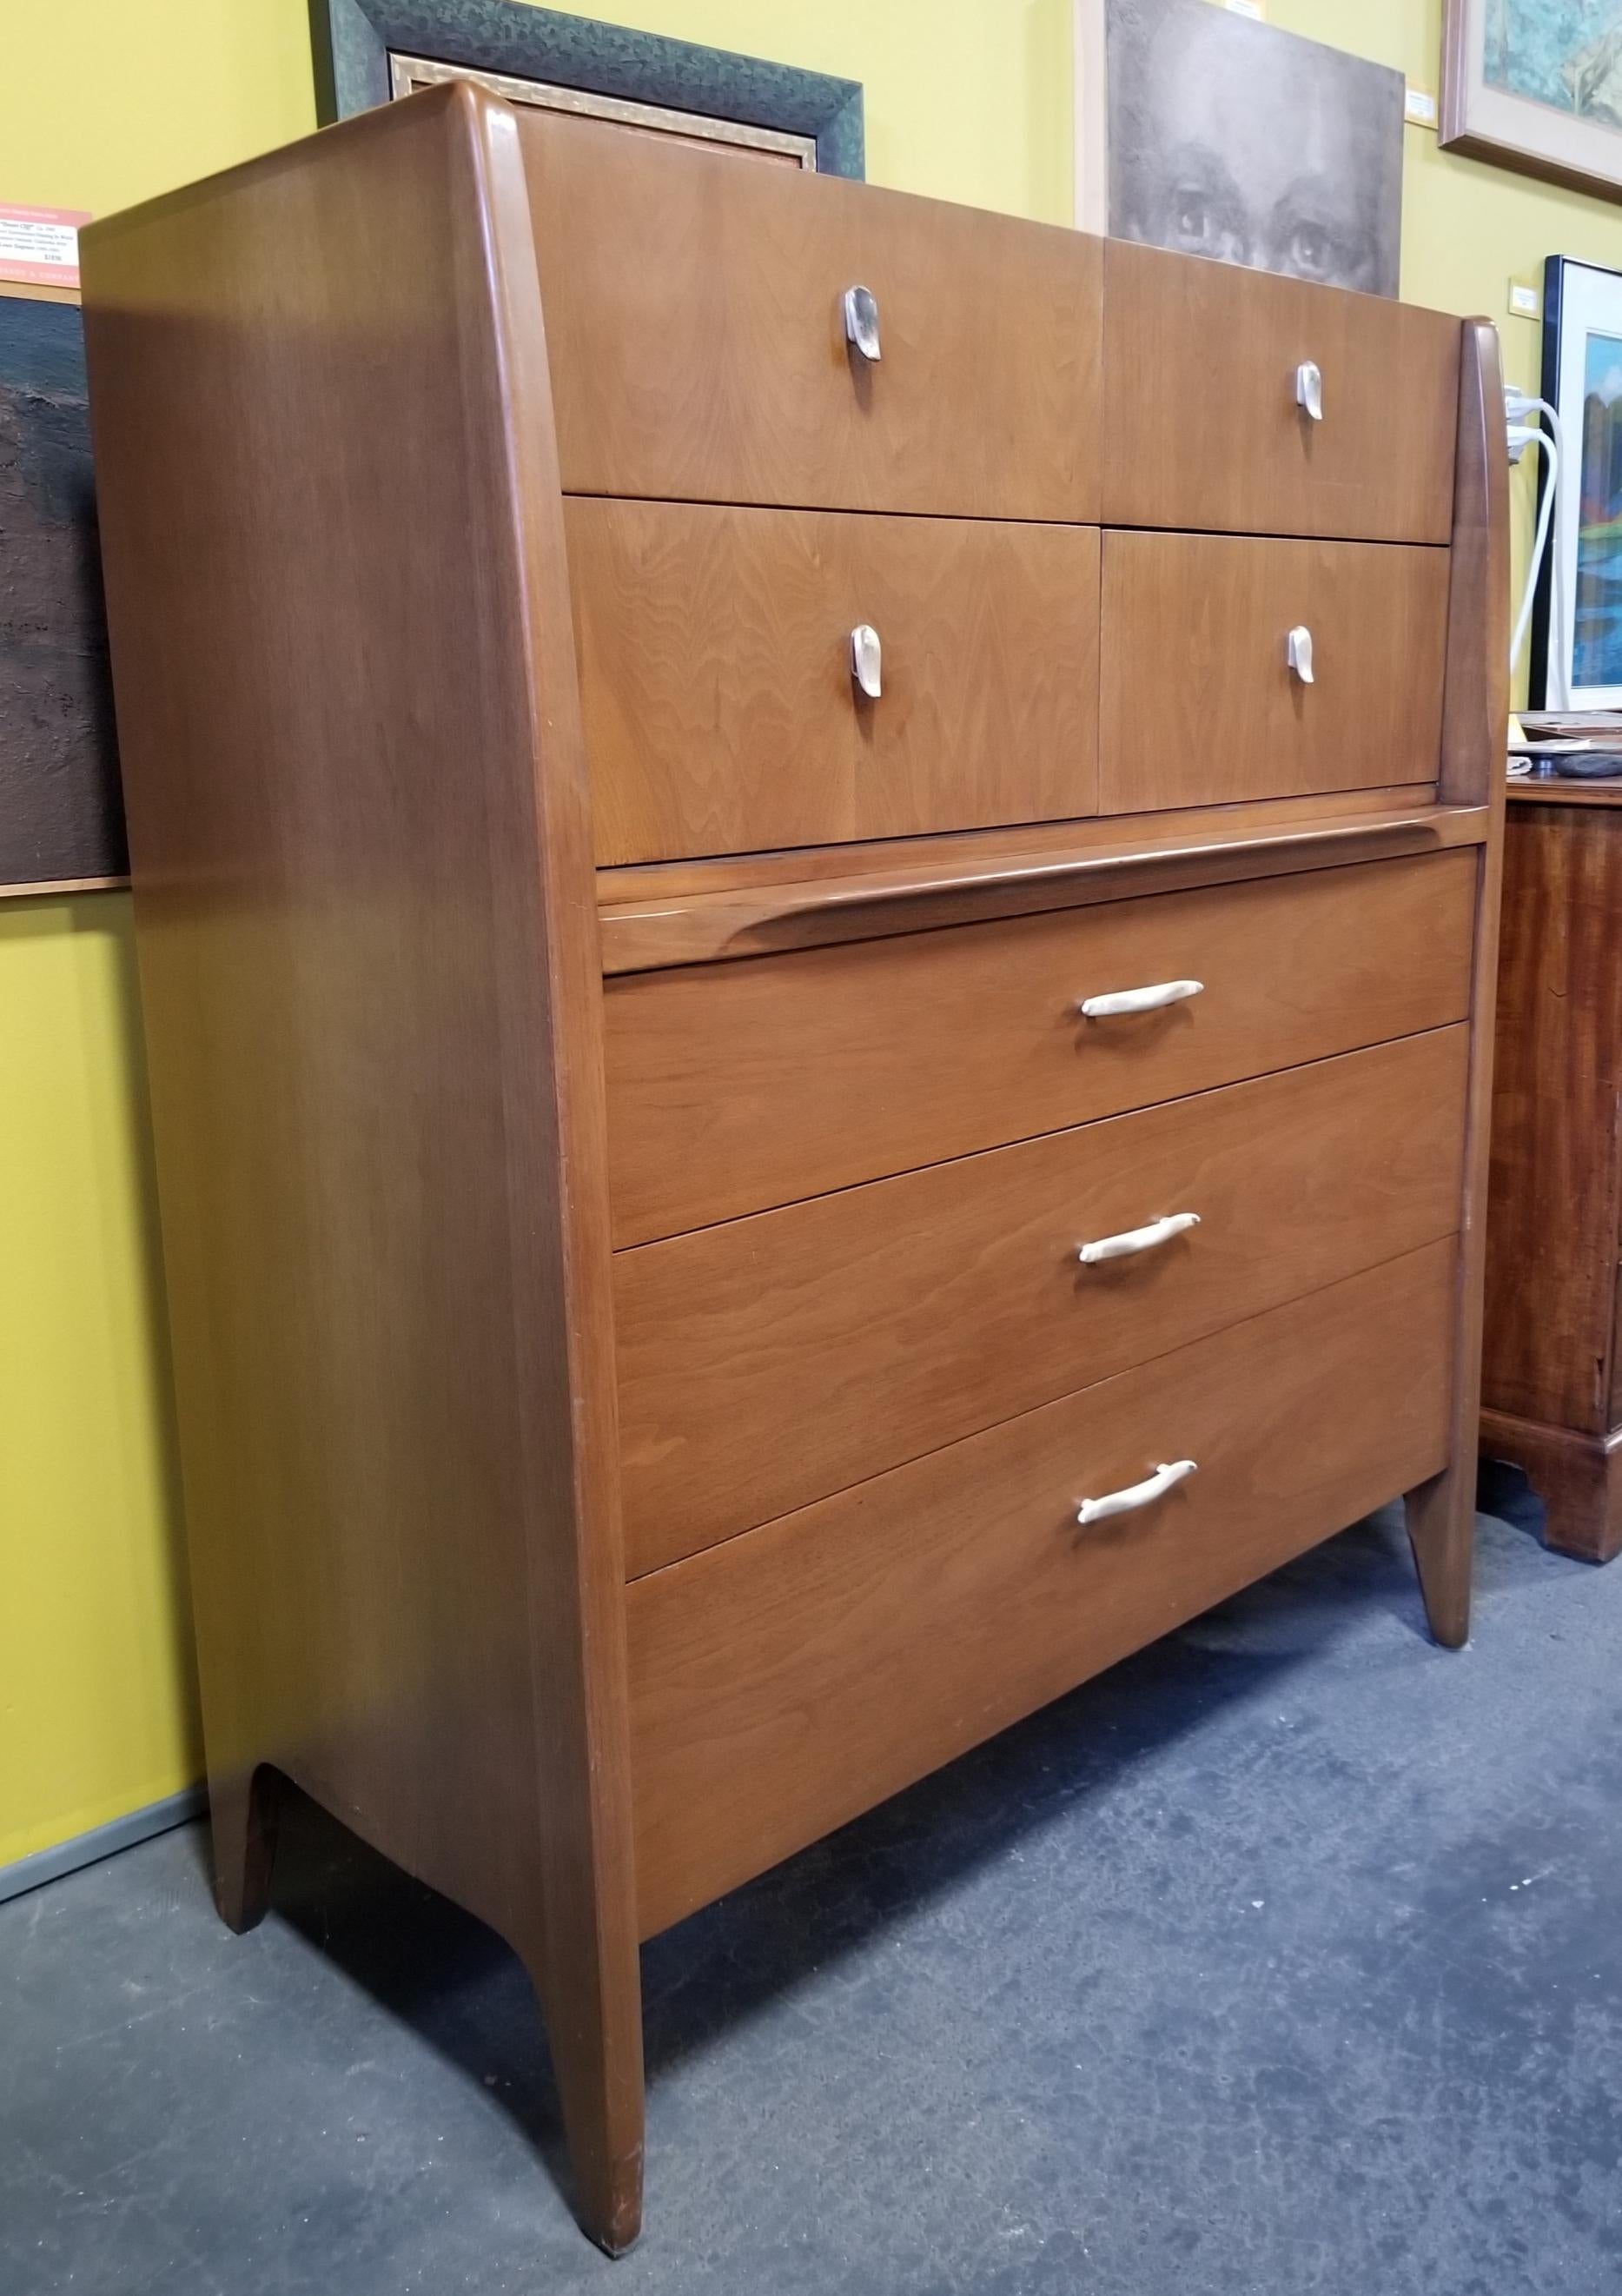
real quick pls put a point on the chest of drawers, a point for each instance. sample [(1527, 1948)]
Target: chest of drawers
[(815, 883)]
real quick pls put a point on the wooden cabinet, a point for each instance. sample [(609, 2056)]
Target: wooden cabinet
[(1552, 1374), (741, 1209)]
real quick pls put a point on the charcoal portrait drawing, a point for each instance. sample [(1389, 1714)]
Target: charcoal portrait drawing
[(1229, 138)]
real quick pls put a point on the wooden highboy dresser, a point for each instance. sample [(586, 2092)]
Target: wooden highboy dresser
[(816, 881)]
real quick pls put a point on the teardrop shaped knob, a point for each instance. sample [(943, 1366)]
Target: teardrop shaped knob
[(862, 321), (867, 659), (1309, 390), (1298, 650)]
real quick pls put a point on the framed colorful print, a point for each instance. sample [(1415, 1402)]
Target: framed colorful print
[(1536, 85), (1576, 628)]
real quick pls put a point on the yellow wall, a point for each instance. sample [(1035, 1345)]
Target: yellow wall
[(105, 102)]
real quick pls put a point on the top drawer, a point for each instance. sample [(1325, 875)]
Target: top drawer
[(695, 323), (1206, 430)]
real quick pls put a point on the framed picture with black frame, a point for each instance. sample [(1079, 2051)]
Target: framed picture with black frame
[(1576, 616)]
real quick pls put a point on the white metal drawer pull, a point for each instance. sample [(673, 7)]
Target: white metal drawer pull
[(861, 306), (1136, 1239), (1297, 653), (1139, 1000), (867, 659), (1136, 1495), (1309, 390)]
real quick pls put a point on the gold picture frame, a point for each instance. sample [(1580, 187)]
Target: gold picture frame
[(1541, 116), (407, 74)]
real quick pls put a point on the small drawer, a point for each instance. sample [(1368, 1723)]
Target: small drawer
[(695, 322), (1237, 666), (1212, 373), (768, 1362), (789, 1679), (734, 1087), (761, 679)]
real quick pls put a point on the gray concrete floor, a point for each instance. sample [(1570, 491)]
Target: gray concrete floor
[(1287, 1957)]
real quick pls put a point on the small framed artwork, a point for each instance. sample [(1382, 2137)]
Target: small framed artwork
[(1535, 85), (1576, 628), (1204, 131)]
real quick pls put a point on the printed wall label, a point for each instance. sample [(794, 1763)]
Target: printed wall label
[(39, 246)]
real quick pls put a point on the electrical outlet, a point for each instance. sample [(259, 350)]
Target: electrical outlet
[(1419, 106), (1524, 302)]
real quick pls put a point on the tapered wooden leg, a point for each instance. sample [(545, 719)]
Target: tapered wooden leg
[(594, 2030), (1441, 1530), (243, 1810)]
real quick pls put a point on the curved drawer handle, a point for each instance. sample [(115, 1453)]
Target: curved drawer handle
[(1309, 389), (861, 308), (1297, 653), (1139, 1000), (867, 659), (1136, 1239), (1136, 1495)]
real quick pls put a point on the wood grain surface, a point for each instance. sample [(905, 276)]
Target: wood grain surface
[(735, 1087), (621, 889), (1475, 719), (768, 1362), (1198, 701), (1555, 1198), (1117, 857), (360, 836), (711, 293), (1577, 1476), (721, 714), (787, 1680), (1205, 431)]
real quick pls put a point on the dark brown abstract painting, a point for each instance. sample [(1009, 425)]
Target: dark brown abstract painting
[(60, 817)]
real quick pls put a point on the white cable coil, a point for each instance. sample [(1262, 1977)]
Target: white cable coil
[(1139, 1000), (1136, 1239), (1136, 1495)]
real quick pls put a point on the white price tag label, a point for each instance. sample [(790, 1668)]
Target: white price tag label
[(39, 246)]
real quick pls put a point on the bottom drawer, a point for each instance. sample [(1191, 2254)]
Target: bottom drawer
[(792, 1677)]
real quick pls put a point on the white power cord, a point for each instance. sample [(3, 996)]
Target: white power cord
[(1520, 435)]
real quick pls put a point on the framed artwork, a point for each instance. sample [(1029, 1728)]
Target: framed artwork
[(61, 812), (1205, 131), (368, 52), (1576, 624), (1536, 85)]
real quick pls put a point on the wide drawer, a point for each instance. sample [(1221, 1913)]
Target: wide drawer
[(717, 652), (734, 1087), (696, 326), (1207, 429), (785, 1681), (1201, 702), (769, 1361)]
